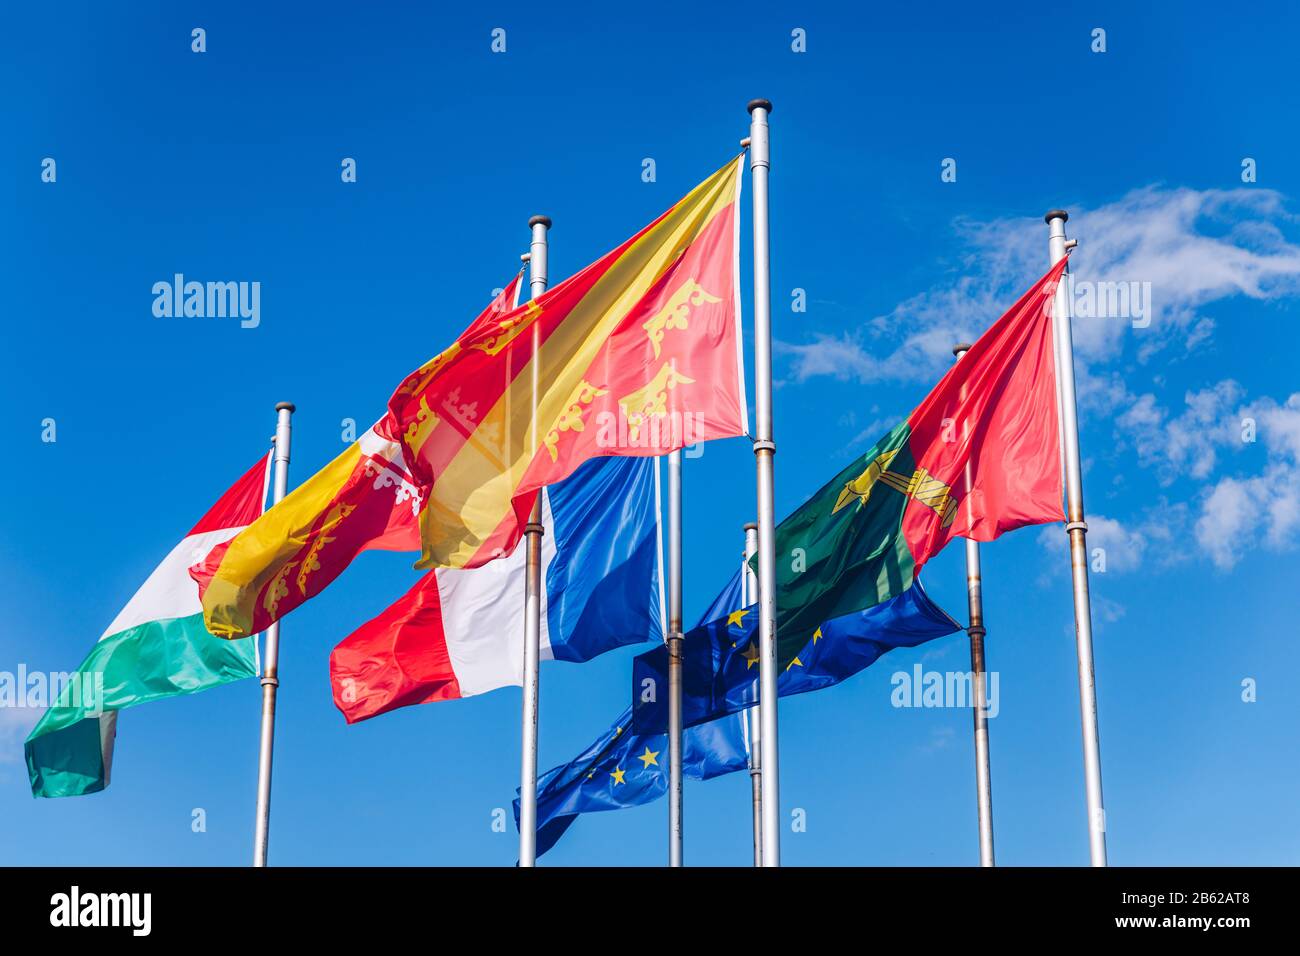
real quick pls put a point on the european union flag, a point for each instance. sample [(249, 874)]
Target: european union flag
[(720, 667), (625, 769)]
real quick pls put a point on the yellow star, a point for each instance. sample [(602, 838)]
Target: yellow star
[(649, 757), (793, 663), (817, 635), (617, 774), (737, 618), (751, 655), (617, 731)]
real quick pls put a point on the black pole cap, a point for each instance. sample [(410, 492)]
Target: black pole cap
[(960, 347), (285, 407), (540, 220), (760, 105), (1060, 214), (751, 526)]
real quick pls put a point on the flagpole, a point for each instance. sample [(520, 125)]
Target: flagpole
[(749, 584), (675, 658), (532, 589), (975, 606), (271, 655), (1076, 527), (764, 450)]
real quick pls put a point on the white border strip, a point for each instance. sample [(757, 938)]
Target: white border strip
[(735, 284)]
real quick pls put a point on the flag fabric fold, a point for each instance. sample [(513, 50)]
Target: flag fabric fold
[(459, 632), (156, 647)]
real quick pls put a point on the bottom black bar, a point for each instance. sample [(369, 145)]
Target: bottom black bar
[(714, 906)]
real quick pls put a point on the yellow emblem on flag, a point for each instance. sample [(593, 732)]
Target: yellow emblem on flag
[(860, 487), (571, 418), (651, 399), (676, 312)]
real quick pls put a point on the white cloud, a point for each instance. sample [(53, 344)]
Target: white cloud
[(1193, 246), (1121, 548), (1186, 444), (1238, 513)]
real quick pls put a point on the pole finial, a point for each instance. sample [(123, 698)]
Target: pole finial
[(960, 347), (751, 526), (1060, 214), (526, 257), (285, 407), (540, 221), (765, 105)]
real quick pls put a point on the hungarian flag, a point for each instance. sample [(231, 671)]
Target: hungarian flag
[(980, 456), (366, 499), (460, 632), (157, 647), (636, 355)]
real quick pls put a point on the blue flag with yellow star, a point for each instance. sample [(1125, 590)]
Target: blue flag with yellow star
[(625, 769), (720, 666)]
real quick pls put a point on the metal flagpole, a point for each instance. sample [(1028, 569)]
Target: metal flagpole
[(271, 656), (675, 658), (764, 450), (1077, 529), (532, 590), (749, 585), (975, 605)]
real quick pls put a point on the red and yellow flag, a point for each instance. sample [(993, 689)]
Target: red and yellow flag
[(365, 499), (637, 354)]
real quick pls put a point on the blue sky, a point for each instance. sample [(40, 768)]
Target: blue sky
[(225, 166)]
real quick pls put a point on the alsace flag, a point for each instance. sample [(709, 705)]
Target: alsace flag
[(459, 632), (366, 499), (637, 354), (156, 647)]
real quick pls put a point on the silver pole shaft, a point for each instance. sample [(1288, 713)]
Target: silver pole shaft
[(271, 656), (750, 590), (975, 610), (764, 451), (1077, 529), (532, 592), (675, 658)]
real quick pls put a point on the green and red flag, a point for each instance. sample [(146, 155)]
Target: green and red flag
[(980, 456)]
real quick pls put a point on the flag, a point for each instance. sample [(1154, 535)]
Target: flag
[(637, 354), (625, 769), (156, 647), (459, 632), (720, 664), (865, 535), (978, 457), (366, 499)]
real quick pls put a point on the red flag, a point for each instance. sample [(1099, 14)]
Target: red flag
[(994, 417)]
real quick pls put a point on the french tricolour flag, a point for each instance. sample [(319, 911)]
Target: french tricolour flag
[(457, 633)]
